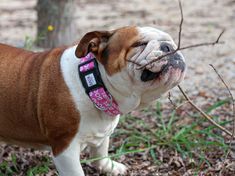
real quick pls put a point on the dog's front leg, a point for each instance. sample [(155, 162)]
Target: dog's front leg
[(106, 164), (68, 162)]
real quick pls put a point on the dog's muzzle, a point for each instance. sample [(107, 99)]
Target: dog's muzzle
[(175, 61)]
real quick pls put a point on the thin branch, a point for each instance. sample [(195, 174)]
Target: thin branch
[(230, 94), (217, 41), (174, 104), (204, 114), (233, 109), (158, 58), (136, 63), (169, 98), (181, 24), (180, 105)]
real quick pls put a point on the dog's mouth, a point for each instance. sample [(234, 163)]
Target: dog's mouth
[(148, 75)]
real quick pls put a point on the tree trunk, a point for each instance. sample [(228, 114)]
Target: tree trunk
[(55, 25)]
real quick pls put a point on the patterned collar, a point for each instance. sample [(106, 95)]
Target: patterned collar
[(92, 82)]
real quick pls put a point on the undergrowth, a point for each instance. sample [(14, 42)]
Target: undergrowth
[(145, 133)]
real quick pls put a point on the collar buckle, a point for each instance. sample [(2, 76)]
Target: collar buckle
[(110, 104)]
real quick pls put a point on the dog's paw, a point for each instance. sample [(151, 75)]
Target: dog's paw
[(112, 167)]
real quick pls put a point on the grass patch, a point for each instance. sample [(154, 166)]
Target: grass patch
[(190, 140), (12, 168), (43, 168), (150, 130)]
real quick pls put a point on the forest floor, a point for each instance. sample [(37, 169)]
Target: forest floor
[(158, 140)]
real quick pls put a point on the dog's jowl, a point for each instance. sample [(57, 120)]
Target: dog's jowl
[(66, 99)]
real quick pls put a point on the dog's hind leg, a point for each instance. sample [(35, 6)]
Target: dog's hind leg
[(106, 164), (68, 162)]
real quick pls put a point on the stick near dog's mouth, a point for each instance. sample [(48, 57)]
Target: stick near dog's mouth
[(148, 75)]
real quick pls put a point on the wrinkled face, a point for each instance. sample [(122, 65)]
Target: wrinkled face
[(123, 51), (166, 72)]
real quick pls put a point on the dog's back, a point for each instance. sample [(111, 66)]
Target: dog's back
[(17, 105), (30, 86)]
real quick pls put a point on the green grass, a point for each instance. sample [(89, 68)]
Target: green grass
[(186, 139), (10, 168), (146, 134), (43, 168)]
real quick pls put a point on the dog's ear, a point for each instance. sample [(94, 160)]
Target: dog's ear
[(92, 42)]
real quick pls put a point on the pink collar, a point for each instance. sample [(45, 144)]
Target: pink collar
[(92, 82)]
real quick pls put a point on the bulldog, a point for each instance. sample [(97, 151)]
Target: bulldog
[(69, 98)]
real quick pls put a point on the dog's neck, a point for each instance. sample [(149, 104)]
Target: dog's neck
[(125, 97)]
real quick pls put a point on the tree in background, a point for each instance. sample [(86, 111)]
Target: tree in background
[(55, 25)]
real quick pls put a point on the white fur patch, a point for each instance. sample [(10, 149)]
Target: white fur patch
[(150, 33), (94, 124)]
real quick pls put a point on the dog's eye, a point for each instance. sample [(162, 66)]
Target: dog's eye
[(138, 44), (165, 47)]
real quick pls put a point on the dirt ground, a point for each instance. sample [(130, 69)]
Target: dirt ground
[(204, 20)]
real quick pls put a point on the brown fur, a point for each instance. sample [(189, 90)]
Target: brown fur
[(36, 107), (110, 48)]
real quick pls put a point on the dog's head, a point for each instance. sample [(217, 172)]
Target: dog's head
[(121, 52)]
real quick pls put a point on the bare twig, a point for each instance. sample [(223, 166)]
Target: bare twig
[(217, 41), (230, 94), (179, 48), (136, 63), (169, 98), (233, 109), (180, 105), (174, 104), (204, 114), (181, 24)]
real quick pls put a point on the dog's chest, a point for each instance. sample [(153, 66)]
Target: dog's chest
[(94, 129)]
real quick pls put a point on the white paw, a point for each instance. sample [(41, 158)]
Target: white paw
[(112, 167)]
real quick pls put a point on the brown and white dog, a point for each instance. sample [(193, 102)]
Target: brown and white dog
[(44, 105)]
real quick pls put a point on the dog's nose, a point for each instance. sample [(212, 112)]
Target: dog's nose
[(177, 61), (176, 57)]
